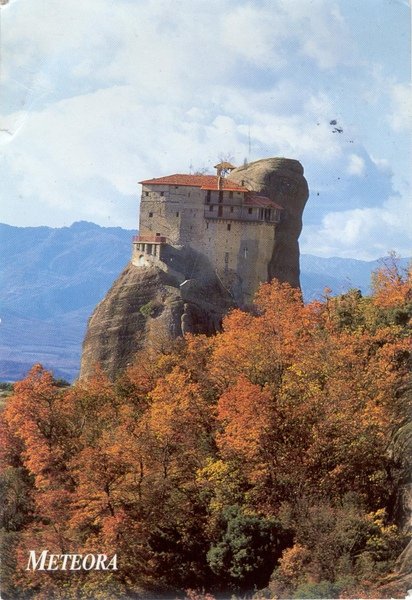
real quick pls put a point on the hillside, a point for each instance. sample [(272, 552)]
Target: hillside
[(52, 279), (338, 274)]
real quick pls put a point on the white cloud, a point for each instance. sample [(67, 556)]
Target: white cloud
[(356, 165), (324, 34), (364, 233), (305, 135), (262, 33), (159, 44), (100, 95), (256, 34), (401, 116), (382, 164)]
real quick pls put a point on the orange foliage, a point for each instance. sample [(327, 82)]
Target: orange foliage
[(289, 401), (262, 346), (180, 420), (299, 391), (245, 411), (391, 287)]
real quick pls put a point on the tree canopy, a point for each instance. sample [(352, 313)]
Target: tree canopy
[(257, 458)]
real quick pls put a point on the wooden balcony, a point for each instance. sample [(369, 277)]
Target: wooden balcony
[(221, 212)]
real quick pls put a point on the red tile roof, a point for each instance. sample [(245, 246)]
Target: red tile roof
[(205, 182), (225, 184), (261, 201)]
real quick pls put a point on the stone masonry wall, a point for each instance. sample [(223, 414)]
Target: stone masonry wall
[(239, 251)]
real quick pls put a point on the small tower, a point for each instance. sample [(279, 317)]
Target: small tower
[(223, 168)]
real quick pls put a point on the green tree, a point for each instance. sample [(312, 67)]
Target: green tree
[(247, 550)]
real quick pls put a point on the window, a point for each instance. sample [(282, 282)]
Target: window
[(230, 195), (226, 261), (220, 196), (211, 208), (150, 214), (231, 209), (207, 196), (162, 193), (146, 193), (229, 226), (250, 210), (220, 211), (207, 225), (177, 214)]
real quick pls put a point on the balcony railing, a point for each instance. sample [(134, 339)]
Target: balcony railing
[(149, 239), (242, 216)]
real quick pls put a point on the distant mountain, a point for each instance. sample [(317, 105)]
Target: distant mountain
[(338, 274), (51, 280)]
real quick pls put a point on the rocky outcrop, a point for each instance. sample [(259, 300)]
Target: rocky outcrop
[(281, 180), (152, 304), (148, 306), (399, 455)]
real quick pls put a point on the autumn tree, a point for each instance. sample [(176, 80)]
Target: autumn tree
[(323, 400), (214, 460), (392, 287)]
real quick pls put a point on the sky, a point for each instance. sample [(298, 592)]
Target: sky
[(96, 96)]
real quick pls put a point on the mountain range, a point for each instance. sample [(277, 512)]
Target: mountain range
[(52, 278)]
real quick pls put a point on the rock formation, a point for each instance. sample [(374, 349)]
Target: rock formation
[(149, 305), (400, 453), (282, 180)]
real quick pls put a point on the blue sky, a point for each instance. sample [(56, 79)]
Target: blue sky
[(98, 95)]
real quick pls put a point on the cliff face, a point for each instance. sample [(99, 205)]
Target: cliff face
[(281, 180), (148, 306), (151, 304), (400, 452)]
